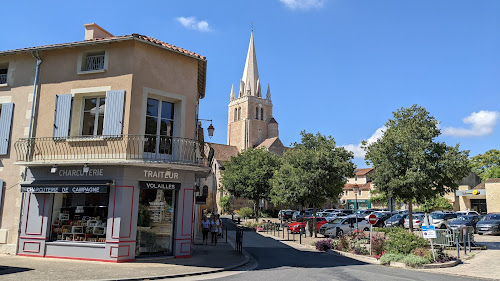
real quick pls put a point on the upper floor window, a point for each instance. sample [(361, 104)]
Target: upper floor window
[(93, 61), (6, 112), (239, 113), (235, 114), (159, 126), (257, 113), (262, 114), (93, 116), (3, 73)]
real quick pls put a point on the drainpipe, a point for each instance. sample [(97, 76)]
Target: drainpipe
[(35, 55)]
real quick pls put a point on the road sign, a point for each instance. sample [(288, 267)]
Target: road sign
[(372, 219), (429, 231)]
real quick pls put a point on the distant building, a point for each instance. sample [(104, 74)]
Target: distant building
[(362, 180)]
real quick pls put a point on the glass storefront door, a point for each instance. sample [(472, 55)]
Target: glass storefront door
[(479, 205), (155, 222)]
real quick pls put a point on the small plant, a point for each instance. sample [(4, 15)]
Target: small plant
[(359, 249), (323, 245), (423, 252), (343, 244), (379, 255), (387, 258), (441, 256), (378, 246), (413, 260)]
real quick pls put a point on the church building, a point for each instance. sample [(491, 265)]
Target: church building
[(250, 124)]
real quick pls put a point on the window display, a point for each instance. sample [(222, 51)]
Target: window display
[(79, 217)]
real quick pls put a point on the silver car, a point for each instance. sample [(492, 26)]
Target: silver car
[(418, 219)]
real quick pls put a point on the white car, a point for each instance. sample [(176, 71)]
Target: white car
[(441, 220), (342, 225), (466, 213)]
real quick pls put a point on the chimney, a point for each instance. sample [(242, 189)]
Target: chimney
[(94, 31)]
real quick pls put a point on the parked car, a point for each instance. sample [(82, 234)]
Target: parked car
[(396, 220), (334, 215), (322, 214), (466, 213), (286, 214), (342, 225), (345, 211), (463, 221), (382, 216), (489, 224), (298, 215), (441, 219), (418, 219), (294, 227), (363, 213)]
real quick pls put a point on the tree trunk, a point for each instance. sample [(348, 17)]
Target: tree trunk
[(410, 214), (255, 212), (314, 223)]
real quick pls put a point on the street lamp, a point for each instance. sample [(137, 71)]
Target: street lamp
[(355, 189), (210, 128)]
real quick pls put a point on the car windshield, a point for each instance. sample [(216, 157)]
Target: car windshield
[(396, 217), (491, 217), (437, 216), (336, 220), (465, 218)]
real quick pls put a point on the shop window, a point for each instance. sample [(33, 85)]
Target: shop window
[(93, 116), (159, 126), (79, 217), (155, 222)]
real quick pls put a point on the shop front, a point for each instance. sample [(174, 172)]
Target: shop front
[(107, 213), (363, 204), (472, 199)]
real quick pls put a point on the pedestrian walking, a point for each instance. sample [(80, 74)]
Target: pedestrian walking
[(214, 229), (220, 226), (205, 229)]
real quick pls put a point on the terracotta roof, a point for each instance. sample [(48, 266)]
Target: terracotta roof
[(483, 184), (362, 172), (349, 186), (267, 142), (135, 36), (223, 152)]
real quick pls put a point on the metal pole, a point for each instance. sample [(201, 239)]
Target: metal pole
[(465, 246), (458, 246), (371, 233), (432, 248), (288, 234), (468, 238), (283, 229), (300, 236)]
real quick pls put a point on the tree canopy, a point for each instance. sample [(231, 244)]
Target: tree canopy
[(409, 164), (436, 203), (487, 165), (249, 174), (312, 172)]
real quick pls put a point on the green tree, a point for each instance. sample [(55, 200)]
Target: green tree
[(312, 172), (435, 204), (225, 203), (487, 165), (249, 174), (410, 165)]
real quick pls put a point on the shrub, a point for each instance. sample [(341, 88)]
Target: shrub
[(444, 257), (413, 260), (387, 258), (245, 212), (378, 245), (343, 244), (422, 252), (323, 245), (359, 249), (403, 242)]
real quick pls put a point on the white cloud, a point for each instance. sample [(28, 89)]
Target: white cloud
[(192, 23), (358, 151), (482, 123), (303, 4)]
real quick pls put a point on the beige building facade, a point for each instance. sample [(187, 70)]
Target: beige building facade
[(113, 153)]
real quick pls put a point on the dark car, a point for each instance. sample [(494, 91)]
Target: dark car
[(286, 214), (490, 224), (395, 221), (463, 221), (382, 216)]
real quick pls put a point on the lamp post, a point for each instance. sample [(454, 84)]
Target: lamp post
[(355, 189), (210, 128)]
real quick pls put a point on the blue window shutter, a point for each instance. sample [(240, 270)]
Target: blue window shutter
[(63, 115), (5, 126), (113, 113)]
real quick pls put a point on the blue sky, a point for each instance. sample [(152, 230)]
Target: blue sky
[(337, 67)]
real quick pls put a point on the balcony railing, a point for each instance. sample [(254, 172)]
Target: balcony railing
[(3, 78), (94, 62), (147, 148)]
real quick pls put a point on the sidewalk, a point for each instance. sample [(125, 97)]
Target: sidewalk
[(205, 259)]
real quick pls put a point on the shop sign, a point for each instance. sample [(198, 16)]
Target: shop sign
[(474, 192), (160, 185), (80, 173), (161, 174), (64, 189)]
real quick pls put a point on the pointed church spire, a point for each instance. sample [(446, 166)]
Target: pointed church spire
[(268, 96), (231, 96), (251, 72)]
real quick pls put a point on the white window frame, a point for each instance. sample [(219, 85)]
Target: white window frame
[(96, 120)]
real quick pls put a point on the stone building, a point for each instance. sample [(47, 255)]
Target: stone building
[(250, 124)]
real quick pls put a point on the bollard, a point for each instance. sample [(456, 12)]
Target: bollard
[(465, 246), (288, 234), (300, 235), (283, 232), (468, 238), (458, 246), (293, 236)]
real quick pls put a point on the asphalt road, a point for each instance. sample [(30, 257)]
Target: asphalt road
[(277, 261)]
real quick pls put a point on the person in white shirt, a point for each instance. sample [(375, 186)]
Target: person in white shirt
[(205, 228), (214, 228)]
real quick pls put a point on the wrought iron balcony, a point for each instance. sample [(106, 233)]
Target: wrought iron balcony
[(103, 149)]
